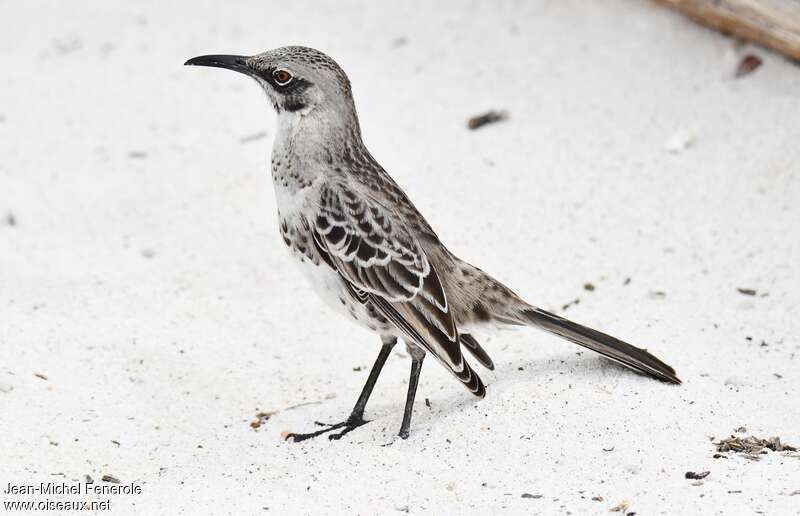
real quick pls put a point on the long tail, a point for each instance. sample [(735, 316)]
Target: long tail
[(636, 358), (480, 354)]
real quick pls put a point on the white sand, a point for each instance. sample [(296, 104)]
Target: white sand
[(146, 280)]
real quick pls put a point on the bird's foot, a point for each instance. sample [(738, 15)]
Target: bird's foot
[(402, 436), (347, 426)]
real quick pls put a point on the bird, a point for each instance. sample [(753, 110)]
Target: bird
[(368, 251)]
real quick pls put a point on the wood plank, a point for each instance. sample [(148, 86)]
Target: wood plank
[(774, 24)]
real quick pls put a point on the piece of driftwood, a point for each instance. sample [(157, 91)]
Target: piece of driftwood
[(772, 23)]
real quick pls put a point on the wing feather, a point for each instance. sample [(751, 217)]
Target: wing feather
[(382, 262)]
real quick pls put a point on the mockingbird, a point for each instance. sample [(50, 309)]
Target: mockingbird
[(367, 250)]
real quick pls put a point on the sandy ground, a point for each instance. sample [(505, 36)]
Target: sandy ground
[(142, 275)]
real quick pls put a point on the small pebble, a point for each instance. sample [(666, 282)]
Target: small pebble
[(681, 140), (736, 381)]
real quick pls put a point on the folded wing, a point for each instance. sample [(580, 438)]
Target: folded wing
[(382, 261)]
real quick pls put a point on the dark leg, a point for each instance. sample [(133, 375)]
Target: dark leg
[(361, 402), (356, 418), (417, 355)]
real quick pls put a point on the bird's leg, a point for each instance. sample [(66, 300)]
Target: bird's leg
[(417, 355), (356, 417), (358, 410)]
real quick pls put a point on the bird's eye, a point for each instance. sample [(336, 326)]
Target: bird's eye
[(282, 77)]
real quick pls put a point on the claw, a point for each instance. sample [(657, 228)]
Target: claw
[(320, 423)]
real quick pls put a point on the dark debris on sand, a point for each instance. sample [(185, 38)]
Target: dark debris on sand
[(489, 117), (748, 65), (751, 447), (261, 418)]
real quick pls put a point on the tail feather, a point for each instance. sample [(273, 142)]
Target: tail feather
[(635, 358), (472, 381), (480, 354)]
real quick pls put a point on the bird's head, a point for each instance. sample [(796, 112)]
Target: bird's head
[(299, 81)]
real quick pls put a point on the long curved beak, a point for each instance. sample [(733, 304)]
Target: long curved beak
[(229, 62)]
